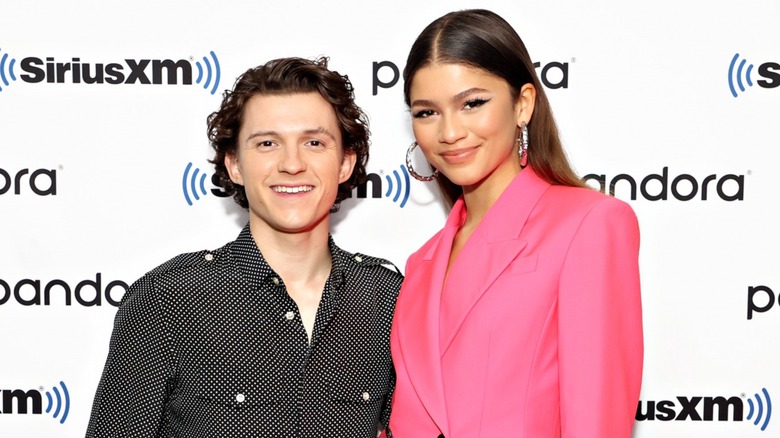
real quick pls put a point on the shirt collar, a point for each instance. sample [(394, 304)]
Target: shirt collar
[(255, 268)]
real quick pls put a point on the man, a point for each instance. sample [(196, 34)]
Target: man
[(279, 333)]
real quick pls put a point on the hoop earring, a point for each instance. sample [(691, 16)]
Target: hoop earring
[(409, 167), (522, 143)]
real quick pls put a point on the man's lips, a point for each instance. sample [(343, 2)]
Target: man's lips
[(292, 189)]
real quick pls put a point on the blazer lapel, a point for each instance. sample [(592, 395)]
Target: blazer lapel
[(492, 247), (418, 327)]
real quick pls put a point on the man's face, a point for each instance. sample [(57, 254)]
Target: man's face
[(290, 160)]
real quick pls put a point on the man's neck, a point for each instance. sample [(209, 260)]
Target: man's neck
[(303, 260), (296, 257)]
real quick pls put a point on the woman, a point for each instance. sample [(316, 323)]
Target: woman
[(522, 316)]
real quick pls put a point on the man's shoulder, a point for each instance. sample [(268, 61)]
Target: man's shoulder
[(178, 273), (184, 270), (190, 261), (371, 276), (364, 264)]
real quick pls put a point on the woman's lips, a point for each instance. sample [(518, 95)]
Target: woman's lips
[(457, 156)]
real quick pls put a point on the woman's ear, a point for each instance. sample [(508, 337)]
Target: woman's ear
[(524, 106)]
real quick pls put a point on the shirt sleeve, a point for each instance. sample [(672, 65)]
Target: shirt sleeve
[(600, 325), (384, 418), (134, 386)]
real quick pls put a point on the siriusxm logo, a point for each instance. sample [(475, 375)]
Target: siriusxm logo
[(32, 402), (397, 186), (712, 409), (741, 74), (193, 185), (683, 187), (553, 75), (127, 71)]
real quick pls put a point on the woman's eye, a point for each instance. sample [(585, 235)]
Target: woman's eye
[(474, 103), (423, 114)]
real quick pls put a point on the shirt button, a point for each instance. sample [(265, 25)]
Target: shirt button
[(358, 259), (240, 398), (209, 257), (289, 315), (366, 396), (276, 280)]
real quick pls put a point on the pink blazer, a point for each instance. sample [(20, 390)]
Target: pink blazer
[(546, 338)]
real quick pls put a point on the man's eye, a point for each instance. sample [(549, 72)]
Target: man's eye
[(316, 143)]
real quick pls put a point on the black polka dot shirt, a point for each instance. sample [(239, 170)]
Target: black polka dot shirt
[(210, 344)]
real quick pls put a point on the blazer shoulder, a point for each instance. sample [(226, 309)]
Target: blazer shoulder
[(579, 200), (593, 215)]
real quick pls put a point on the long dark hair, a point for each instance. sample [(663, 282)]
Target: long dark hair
[(482, 39)]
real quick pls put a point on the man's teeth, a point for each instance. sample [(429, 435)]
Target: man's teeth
[(282, 189)]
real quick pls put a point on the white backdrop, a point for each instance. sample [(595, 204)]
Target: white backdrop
[(92, 194)]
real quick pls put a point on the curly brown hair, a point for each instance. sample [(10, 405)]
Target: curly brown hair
[(289, 76)]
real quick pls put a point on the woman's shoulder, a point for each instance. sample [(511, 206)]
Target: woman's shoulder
[(583, 199), (585, 208)]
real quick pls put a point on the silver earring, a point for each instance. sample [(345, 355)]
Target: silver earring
[(416, 175), (522, 145)]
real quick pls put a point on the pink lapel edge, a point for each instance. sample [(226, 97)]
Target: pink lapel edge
[(420, 348), (499, 234)]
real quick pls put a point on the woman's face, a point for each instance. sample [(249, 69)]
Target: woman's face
[(467, 124)]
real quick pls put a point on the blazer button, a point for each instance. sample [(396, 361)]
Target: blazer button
[(441, 435)]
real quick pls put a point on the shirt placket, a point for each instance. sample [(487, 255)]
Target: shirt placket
[(299, 344)]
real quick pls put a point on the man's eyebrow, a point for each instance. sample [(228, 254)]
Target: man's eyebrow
[(320, 130), (262, 134), (309, 131)]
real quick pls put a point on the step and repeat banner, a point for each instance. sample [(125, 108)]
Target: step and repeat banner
[(670, 106)]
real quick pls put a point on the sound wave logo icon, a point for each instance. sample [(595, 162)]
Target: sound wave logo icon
[(739, 74), (401, 186), (191, 183), (6, 66), (395, 186), (60, 403), (758, 408), (215, 74)]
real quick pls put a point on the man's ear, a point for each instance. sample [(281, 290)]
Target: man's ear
[(234, 169), (347, 165)]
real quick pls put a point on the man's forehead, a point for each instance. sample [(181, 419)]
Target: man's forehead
[(301, 113)]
